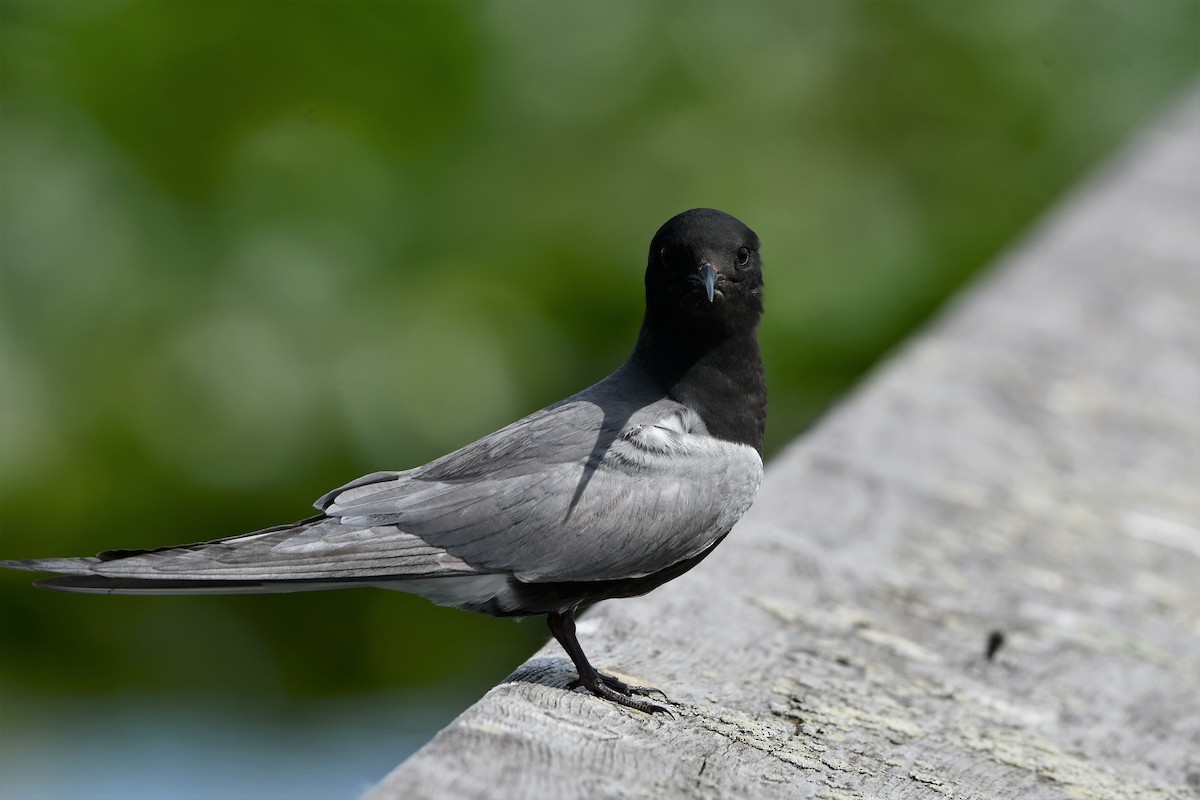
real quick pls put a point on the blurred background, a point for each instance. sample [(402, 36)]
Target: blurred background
[(250, 251)]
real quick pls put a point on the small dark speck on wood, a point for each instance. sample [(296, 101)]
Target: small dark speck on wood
[(995, 641)]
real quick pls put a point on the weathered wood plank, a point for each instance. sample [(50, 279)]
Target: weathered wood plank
[(1026, 474)]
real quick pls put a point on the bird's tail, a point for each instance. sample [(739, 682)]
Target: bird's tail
[(133, 571), (320, 552)]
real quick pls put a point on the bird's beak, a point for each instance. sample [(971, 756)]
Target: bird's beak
[(708, 277)]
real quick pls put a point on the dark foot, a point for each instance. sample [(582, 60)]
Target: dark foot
[(621, 686), (562, 625), (621, 693)]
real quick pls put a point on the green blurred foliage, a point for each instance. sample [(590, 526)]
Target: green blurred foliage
[(253, 250)]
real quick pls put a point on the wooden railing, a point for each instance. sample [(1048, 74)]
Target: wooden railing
[(978, 577)]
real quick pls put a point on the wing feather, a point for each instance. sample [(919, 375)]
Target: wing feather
[(323, 548), (657, 493), (616, 482)]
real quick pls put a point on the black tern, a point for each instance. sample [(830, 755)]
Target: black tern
[(609, 493)]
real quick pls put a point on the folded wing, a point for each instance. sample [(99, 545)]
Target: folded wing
[(630, 503), (586, 490)]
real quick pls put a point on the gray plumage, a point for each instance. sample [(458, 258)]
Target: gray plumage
[(615, 482)]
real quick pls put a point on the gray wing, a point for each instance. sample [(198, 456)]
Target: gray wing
[(573, 493), (321, 548), (330, 548), (611, 483)]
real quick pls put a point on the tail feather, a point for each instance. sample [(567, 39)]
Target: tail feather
[(99, 584), (63, 566), (313, 554)]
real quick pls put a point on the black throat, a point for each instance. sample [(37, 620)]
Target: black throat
[(716, 371)]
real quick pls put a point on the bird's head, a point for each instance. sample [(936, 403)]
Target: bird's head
[(704, 270)]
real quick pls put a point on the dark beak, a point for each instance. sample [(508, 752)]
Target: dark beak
[(708, 277)]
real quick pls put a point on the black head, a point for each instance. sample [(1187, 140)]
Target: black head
[(704, 273), (699, 340)]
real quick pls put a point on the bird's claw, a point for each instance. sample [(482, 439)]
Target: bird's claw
[(627, 688), (617, 691)]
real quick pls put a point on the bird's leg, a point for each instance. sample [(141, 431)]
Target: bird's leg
[(562, 625)]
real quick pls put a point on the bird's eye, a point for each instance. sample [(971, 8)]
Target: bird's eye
[(665, 255), (743, 256)]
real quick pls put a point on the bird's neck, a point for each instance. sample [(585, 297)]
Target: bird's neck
[(719, 376)]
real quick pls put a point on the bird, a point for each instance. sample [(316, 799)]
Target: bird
[(608, 493)]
